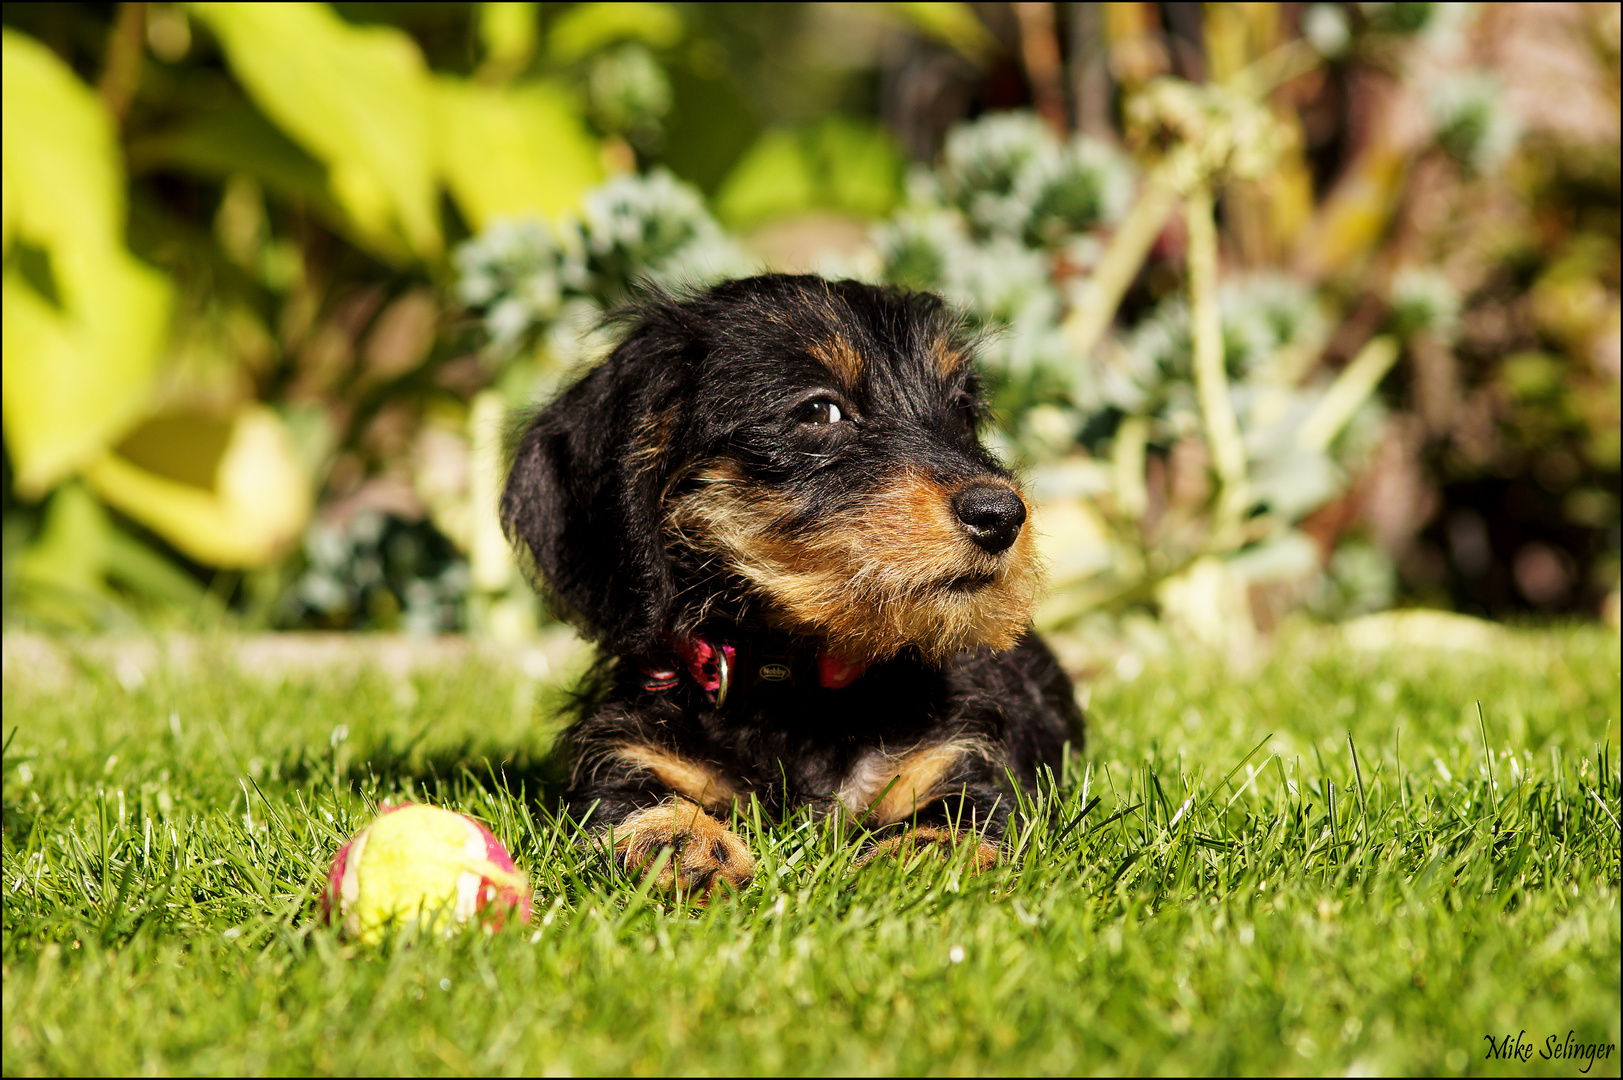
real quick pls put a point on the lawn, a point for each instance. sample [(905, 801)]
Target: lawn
[(1331, 863)]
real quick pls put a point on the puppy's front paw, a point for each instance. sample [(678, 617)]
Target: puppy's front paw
[(704, 852), (936, 840)]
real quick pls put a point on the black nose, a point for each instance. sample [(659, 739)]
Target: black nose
[(992, 516)]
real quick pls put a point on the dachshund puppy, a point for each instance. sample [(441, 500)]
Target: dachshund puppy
[(808, 580)]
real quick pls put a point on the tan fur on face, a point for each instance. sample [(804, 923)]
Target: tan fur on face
[(872, 581), (840, 357), (693, 780), (704, 852), (885, 788)]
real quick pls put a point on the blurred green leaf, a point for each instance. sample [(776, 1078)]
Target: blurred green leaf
[(710, 125), (586, 28), (509, 34), (359, 98), (140, 569), (512, 152), (78, 365), (1529, 376), (59, 152), (8, 214), (835, 164), (227, 494), (63, 577), (235, 139), (951, 24), (773, 179), (70, 553)]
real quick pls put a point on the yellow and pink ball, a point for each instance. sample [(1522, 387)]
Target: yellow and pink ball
[(422, 864)]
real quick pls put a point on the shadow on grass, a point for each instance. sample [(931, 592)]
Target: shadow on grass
[(446, 772), (424, 764)]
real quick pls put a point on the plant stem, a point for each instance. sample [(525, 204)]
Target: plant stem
[(1039, 50), (1355, 383), (1092, 316), (121, 68), (1211, 381)]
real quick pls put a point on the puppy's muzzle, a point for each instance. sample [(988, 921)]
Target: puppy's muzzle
[(990, 515)]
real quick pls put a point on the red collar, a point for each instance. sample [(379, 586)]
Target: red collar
[(711, 668), (836, 672)]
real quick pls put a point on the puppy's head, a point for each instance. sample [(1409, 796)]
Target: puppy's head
[(783, 448)]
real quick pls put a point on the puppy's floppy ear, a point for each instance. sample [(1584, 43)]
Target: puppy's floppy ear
[(583, 494)]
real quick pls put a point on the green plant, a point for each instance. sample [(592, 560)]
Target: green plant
[(265, 200)]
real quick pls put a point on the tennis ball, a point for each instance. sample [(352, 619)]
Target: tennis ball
[(426, 864)]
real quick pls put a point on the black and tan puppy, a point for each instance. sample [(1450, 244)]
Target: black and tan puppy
[(808, 580)]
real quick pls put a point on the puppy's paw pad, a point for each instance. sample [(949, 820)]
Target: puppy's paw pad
[(938, 841), (705, 853)]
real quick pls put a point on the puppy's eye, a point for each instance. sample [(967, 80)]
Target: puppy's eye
[(820, 411)]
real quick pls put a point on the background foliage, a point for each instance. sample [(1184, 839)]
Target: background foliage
[(1288, 306)]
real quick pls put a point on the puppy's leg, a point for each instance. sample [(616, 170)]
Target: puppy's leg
[(974, 816), (942, 792), (705, 853), (647, 799), (940, 840)]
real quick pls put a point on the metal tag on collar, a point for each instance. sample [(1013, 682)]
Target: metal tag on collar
[(776, 672), (724, 676)]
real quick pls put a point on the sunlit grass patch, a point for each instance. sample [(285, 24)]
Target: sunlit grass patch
[(1334, 863)]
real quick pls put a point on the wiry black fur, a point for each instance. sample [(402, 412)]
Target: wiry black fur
[(718, 376)]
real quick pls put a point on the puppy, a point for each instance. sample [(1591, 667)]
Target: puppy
[(808, 580)]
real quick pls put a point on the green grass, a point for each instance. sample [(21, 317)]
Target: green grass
[(163, 845)]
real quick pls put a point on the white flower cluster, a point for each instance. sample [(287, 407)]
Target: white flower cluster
[(375, 570), (1263, 315), (1011, 212), (1474, 124), (1012, 177), (653, 228), (1423, 299), (526, 278), (628, 91)]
